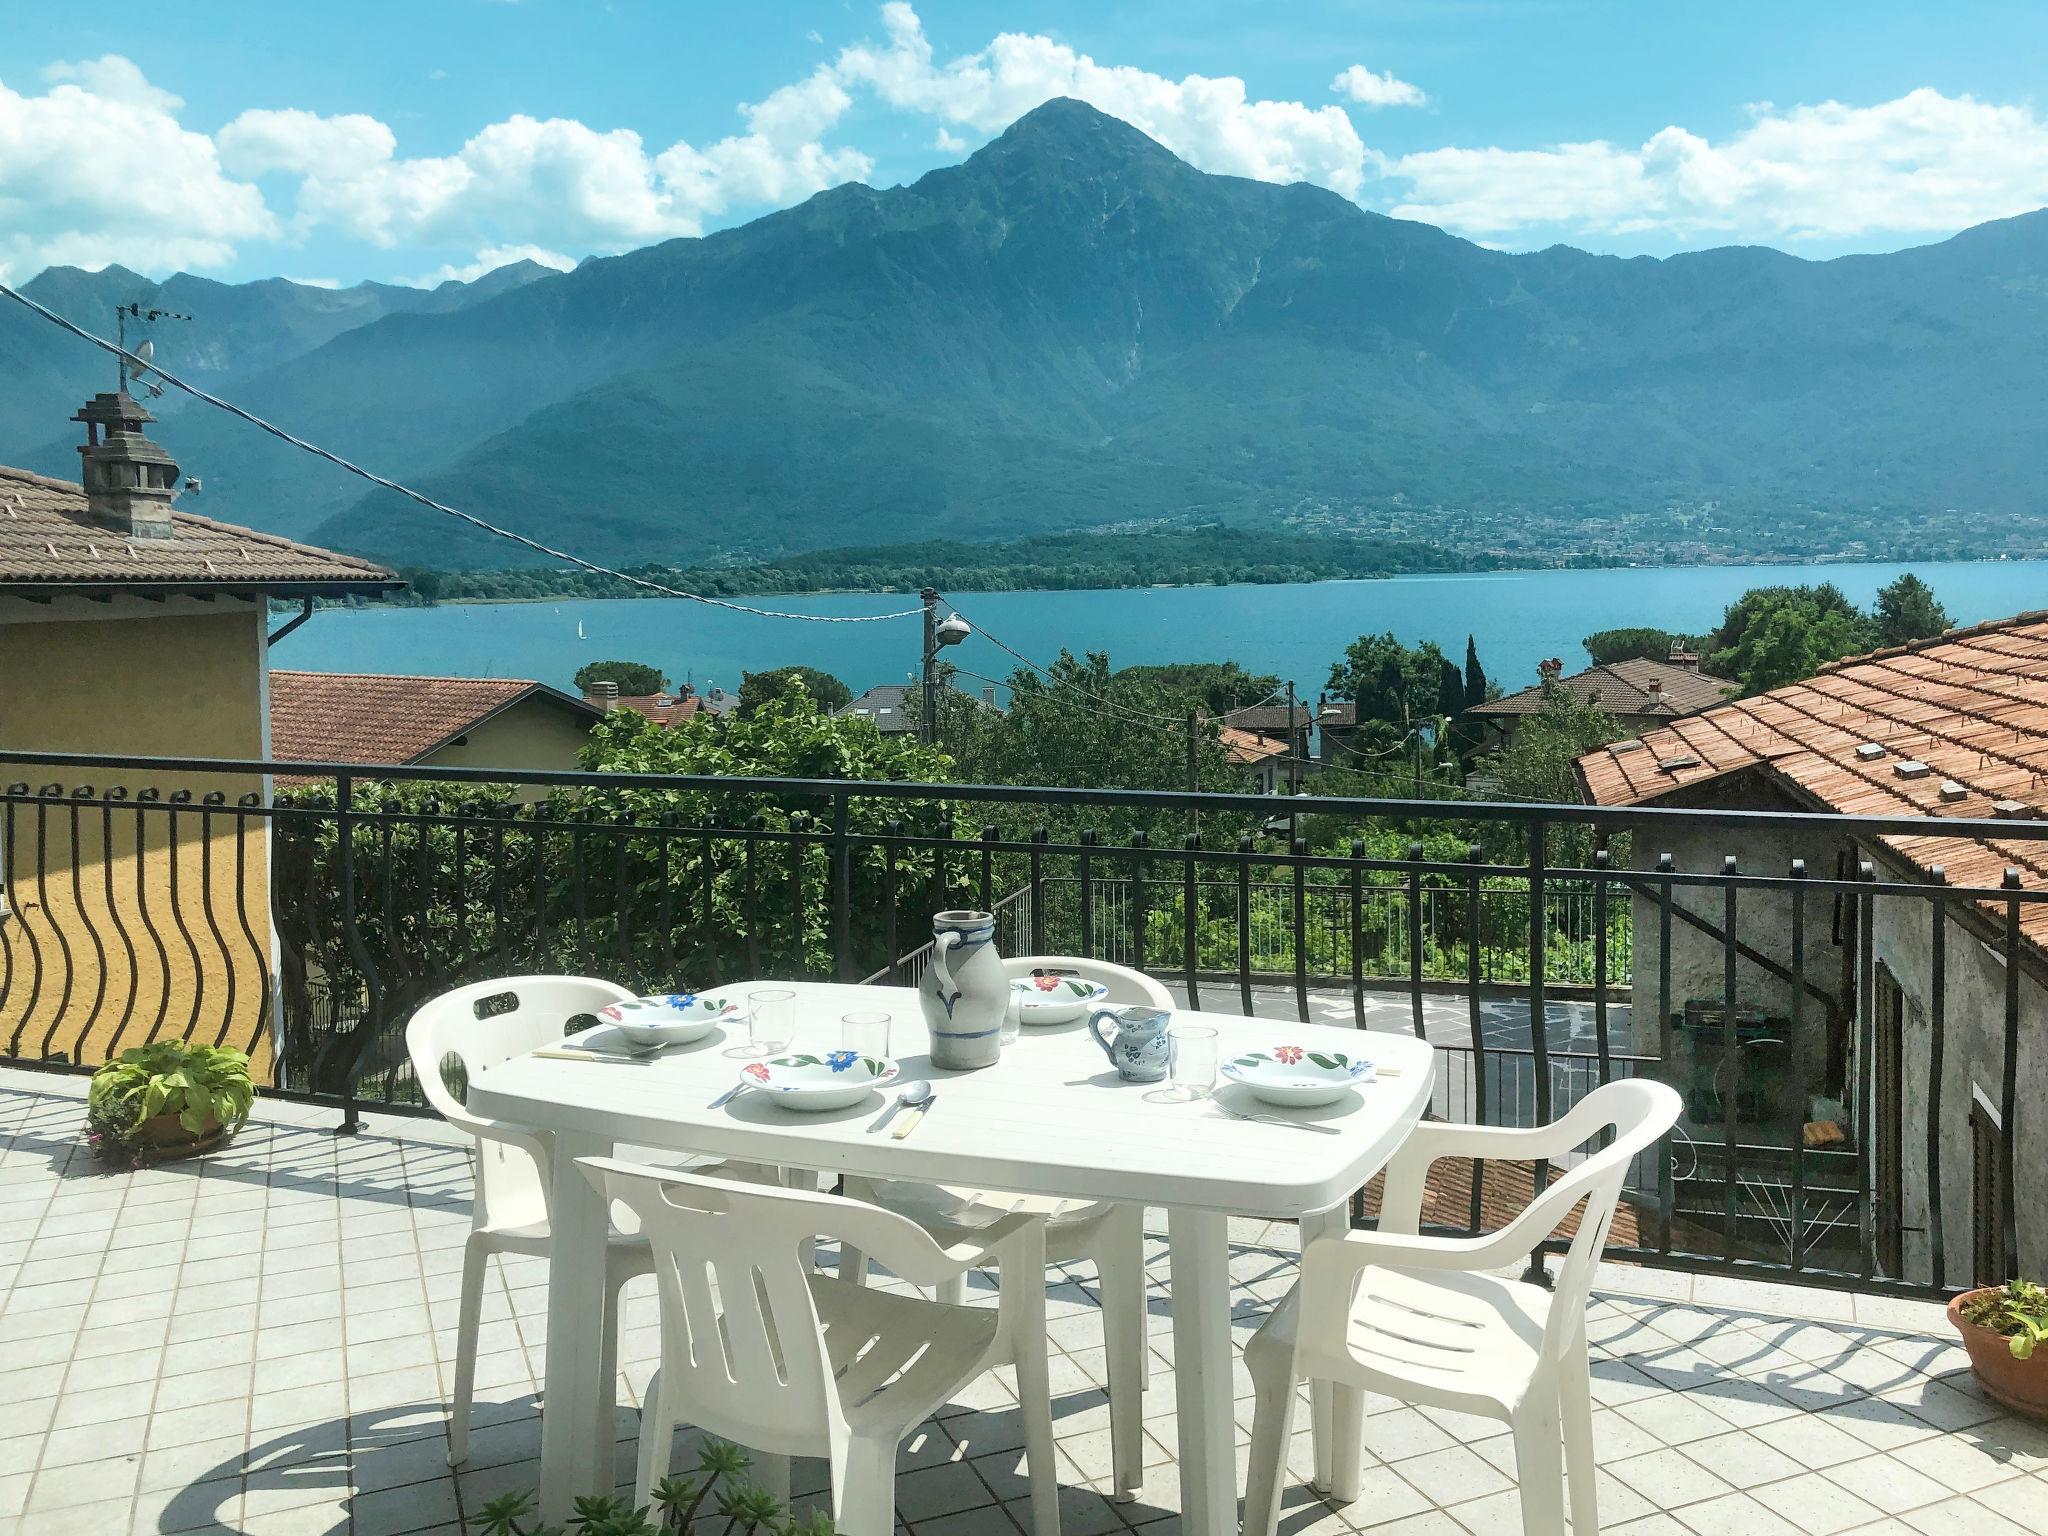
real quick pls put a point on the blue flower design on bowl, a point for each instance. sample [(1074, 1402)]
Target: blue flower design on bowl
[(839, 1061)]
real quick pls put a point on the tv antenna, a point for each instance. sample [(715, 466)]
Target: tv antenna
[(145, 351)]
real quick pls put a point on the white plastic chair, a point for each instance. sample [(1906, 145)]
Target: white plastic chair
[(478, 1026), (1420, 1319), (758, 1348), (1110, 1236)]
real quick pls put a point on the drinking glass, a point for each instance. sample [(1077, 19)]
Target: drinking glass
[(1194, 1053), (771, 1020), (867, 1033)]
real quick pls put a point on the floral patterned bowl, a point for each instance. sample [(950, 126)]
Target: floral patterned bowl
[(1290, 1075), (1055, 999), (669, 1018), (815, 1083)]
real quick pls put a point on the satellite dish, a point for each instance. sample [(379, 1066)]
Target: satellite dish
[(145, 355)]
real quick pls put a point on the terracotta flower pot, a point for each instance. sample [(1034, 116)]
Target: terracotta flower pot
[(2021, 1385), (164, 1136)]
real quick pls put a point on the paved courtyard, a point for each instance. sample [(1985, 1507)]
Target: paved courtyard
[(259, 1342)]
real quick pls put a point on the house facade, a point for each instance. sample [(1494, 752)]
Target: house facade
[(131, 627), (1891, 986), (451, 722)]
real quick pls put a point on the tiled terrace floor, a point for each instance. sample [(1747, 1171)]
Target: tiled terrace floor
[(260, 1342)]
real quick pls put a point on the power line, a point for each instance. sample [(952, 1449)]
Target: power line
[(427, 501), (1060, 682)]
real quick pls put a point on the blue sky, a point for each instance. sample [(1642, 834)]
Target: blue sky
[(408, 141)]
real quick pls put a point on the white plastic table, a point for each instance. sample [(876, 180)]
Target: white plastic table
[(1051, 1119)]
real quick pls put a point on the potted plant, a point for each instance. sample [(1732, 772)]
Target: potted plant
[(719, 1499), (2001, 1325), (169, 1098)]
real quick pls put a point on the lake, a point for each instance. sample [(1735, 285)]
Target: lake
[(1517, 617)]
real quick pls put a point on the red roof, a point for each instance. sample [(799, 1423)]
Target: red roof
[(1247, 749), (366, 717), (1945, 727)]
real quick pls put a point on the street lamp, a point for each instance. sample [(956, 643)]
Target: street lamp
[(950, 630)]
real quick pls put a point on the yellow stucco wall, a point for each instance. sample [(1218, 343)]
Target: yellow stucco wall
[(534, 734), (88, 885)]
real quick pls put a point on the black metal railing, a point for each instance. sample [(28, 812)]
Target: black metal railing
[(1546, 949)]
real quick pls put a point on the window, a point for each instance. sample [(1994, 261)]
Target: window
[(1888, 1113), (1987, 1198)]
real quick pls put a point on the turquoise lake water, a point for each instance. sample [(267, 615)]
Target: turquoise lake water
[(1518, 619)]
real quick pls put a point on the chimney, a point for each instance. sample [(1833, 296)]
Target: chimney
[(1656, 694), (988, 695), (130, 482), (602, 694), (1683, 655)]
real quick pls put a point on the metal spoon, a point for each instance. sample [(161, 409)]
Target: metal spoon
[(915, 1097)]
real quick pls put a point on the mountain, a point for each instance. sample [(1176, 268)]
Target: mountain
[(1073, 329), (235, 331)]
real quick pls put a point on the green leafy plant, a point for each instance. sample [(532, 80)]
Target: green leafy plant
[(2018, 1309), (203, 1085), (719, 1491)]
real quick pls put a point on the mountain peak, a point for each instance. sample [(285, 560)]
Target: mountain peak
[(1067, 126)]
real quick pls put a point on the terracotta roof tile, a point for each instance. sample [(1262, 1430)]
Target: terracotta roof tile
[(47, 541), (358, 717), (1624, 689), (1247, 749), (1971, 704)]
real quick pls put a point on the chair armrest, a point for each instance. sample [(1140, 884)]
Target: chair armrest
[(537, 1145), (984, 1245), (1431, 1140)]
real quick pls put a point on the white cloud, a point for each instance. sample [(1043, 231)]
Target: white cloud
[(1923, 163), (1378, 90), (533, 183), (489, 260), (948, 142), (97, 169), (1210, 121), (315, 282)]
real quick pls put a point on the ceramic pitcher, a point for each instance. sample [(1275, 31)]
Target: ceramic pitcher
[(965, 991), (1135, 1043)]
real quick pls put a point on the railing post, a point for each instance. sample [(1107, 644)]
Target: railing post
[(1476, 1015), (1040, 836), (893, 832), (1666, 1193), (345, 848), (1731, 1054), (1415, 1011), (989, 833), (2009, 1098), (1191, 921), (1299, 849), (1357, 876), (1141, 904), (1085, 869), (1937, 1030), (1539, 1019), (1244, 921), (1866, 1077), (1801, 1069), (842, 891)]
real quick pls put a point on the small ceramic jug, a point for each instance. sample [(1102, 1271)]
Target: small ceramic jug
[(1136, 1044), (965, 992)]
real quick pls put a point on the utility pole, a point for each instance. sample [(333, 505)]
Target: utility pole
[(1194, 764), (938, 632), (1293, 747), (929, 719)]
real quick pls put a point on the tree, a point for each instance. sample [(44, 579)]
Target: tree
[(1538, 765), (1214, 687), (636, 679), (1475, 675), (1635, 643), (1394, 685), (827, 692), (1907, 610), (1771, 636)]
